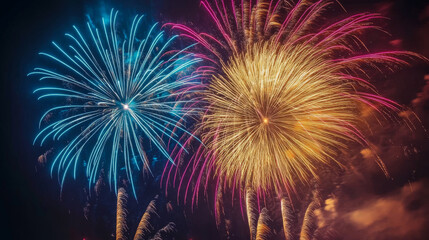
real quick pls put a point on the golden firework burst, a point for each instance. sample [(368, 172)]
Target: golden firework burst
[(284, 94), (276, 114)]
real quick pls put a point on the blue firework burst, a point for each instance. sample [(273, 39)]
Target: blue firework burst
[(117, 90)]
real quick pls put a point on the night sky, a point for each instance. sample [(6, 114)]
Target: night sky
[(367, 204)]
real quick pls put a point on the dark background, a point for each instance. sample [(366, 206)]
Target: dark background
[(31, 207)]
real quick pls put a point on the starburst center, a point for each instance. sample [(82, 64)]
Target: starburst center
[(265, 120)]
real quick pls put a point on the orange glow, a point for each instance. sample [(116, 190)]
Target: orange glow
[(265, 120)]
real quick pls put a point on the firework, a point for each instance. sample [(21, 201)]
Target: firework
[(287, 213), (146, 228), (121, 214), (284, 95), (309, 223), (264, 227), (114, 91), (263, 230), (252, 213)]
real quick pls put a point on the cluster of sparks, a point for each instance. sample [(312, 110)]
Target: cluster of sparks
[(120, 91), (284, 95), (146, 228)]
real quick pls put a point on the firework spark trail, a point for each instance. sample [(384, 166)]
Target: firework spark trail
[(263, 230), (309, 223), (166, 232), (285, 94), (252, 213), (121, 214), (261, 225), (287, 213), (144, 228), (120, 89), (258, 220)]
